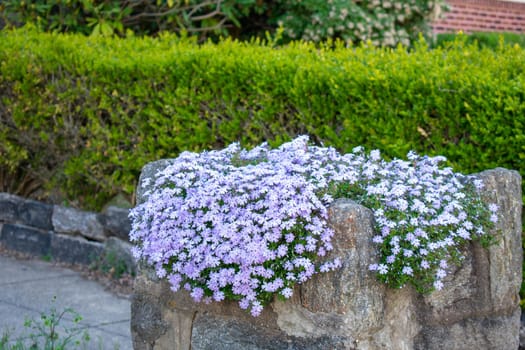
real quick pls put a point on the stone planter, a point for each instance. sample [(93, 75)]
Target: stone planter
[(348, 308)]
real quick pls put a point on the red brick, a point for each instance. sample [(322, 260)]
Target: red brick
[(483, 15)]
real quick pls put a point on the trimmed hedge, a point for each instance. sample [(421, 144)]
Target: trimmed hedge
[(483, 39), (85, 114)]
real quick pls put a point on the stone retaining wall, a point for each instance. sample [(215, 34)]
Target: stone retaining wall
[(62, 233), (348, 308)]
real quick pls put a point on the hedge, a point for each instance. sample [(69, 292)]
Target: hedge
[(483, 39), (85, 114)]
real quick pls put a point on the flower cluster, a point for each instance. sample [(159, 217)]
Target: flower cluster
[(239, 224), (246, 225), (424, 215)]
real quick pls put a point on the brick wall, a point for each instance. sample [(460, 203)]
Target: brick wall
[(482, 16)]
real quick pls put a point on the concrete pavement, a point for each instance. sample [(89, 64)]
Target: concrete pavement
[(29, 288)]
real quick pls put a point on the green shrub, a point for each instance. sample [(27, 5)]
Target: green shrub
[(488, 40), (383, 22), (107, 17), (85, 114)]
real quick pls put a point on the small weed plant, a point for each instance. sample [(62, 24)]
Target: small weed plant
[(111, 264), (247, 225), (46, 333)]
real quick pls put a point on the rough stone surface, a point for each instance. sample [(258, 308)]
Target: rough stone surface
[(147, 325), (493, 332), (76, 222), (16, 209), (504, 188), (116, 222), (349, 309), (487, 284), (522, 332), (9, 207), (25, 239), (212, 332), (75, 250), (351, 301), (36, 214)]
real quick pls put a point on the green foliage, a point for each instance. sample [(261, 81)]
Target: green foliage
[(488, 40), (45, 333), (382, 22), (111, 264), (107, 17), (85, 114)]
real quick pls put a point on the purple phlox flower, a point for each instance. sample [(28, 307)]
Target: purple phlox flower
[(407, 253), (407, 270), (419, 206), (412, 156), (289, 237), (197, 293), (468, 225), (236, 211), (299, 248), (478, 184), (377, 239), (438, 284), (382, 269), (330, 265), (375, 155), (463, 233), (287, 292), (244, 303), (218, 296)]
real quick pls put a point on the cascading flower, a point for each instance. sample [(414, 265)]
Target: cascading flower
[(248, 224)]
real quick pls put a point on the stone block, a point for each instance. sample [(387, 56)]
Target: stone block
[(25, 239), (488, 281), (497, 332), (116, 222), (9, 207), (147, 324), (351, 296), (503, 187), (221, 333), (36, 214), (15, 209), (75, 222), (466, 292), (74, 250)]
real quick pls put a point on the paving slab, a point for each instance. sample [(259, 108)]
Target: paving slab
[(29, 288)]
